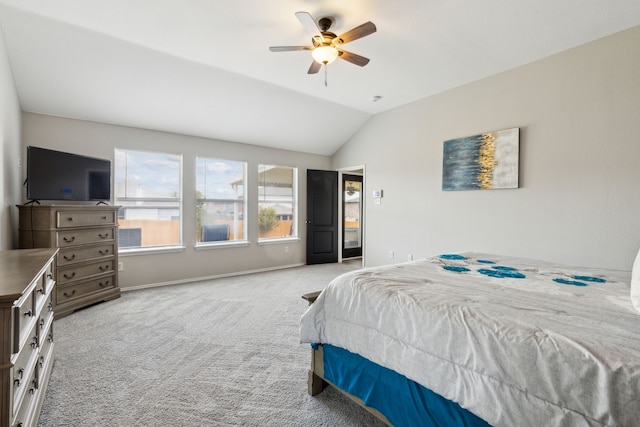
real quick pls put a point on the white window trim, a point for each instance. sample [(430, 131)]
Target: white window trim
[(155, 249), (296, 219)]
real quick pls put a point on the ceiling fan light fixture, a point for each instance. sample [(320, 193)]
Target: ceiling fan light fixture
[(324, 54)]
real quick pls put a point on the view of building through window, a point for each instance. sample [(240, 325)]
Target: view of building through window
[(220, 199), (148, 187), (277, 201)]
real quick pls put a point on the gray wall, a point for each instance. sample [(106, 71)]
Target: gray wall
[(99, 140), (9, 153), (579, 115)]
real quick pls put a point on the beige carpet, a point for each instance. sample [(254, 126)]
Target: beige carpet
[(221, 352)]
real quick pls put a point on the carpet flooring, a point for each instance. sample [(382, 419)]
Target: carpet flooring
[(221, 352)]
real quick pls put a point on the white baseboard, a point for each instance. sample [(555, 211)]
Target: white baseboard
[(199, 279)]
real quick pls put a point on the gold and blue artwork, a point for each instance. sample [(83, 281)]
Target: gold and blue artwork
[(482, 162)]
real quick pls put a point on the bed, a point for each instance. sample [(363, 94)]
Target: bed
[(479, 339)]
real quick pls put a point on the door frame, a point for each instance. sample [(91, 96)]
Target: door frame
[(352, 170)]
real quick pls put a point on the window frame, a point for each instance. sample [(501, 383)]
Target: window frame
[(243, 202), (179, 200), (294, 236)]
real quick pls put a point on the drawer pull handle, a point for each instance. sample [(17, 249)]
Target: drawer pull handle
[(29, 313), (103, 235), (70, 218), (104, 285), (73, 292), (40, 290), (16, 380), (104, 217), (70, 258), (41, 323), (67, 276), (50, 306), (103, 251), (50, 276), (66, 239), (50, 337), (41, 361), (34, 342), (105, 268)]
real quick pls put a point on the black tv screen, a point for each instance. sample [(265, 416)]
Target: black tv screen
[(56, 175)]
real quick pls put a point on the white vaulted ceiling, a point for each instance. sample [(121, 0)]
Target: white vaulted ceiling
[(203, 67)]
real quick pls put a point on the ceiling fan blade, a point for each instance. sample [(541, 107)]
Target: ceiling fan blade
[(358, 60), (315, 67), (289, 48), (356, 33), (310, 25)]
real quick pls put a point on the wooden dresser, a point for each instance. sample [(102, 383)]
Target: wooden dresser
[(86, 267), (27, 287)]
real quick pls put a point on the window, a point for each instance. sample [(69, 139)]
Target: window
[(148, 188), (277, 202), (220, 200)]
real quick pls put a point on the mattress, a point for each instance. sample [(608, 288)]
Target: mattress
[(514, 341)]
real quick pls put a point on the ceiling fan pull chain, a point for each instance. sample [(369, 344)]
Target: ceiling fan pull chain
[(325, 75)]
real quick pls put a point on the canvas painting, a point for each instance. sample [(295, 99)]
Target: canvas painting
[(482, 162)]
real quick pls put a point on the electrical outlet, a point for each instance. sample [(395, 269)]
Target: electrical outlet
[(286, 249), (120, 266), (410, 257), (391, 255)]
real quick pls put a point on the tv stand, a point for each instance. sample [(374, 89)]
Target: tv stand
[(86, 267)]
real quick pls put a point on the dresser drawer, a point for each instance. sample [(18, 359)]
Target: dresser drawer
[(78, 254), (46, 352), (24, 409), (74, 291), (66, 219), (23, 368), (66, 275), (81, 237), (44, 285), (45, 319), (24, 317)]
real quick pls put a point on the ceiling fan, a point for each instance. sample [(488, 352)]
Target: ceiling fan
[(326, 45)]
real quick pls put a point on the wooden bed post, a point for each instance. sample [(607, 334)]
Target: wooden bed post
[(316, 383)]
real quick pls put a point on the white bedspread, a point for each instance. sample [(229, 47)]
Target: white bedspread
[(515, 351)]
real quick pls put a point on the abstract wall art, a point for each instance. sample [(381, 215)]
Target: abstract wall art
[(482, 162)]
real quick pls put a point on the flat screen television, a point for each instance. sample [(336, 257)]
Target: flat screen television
[(56, 175)]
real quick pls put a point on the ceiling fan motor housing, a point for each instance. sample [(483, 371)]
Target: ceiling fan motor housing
[(325, 23), (329, 38)]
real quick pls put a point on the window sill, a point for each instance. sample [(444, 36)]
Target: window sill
[(278, 240), (147, 251), (219, 245)]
